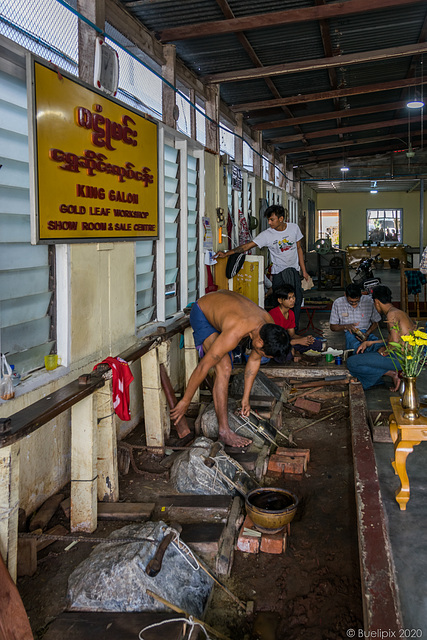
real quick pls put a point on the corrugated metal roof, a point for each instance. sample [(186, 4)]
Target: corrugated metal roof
[(297, 42)]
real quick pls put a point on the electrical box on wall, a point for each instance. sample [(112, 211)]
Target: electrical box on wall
[(106, 71)]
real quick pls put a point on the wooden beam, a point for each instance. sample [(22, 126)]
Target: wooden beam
[(276, 18), (328, 95), (361, 57), (334, 132), (108, 473), (330, 115), (334, 145)]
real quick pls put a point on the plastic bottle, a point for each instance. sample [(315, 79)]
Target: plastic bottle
[(16, 377)]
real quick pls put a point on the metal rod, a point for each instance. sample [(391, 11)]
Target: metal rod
[(319, 420)]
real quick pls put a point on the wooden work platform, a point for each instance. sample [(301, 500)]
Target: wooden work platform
[(84, 625)]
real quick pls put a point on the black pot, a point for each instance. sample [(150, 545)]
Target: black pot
[(394, 263)]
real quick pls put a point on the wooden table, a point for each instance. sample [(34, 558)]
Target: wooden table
[(406, 434)]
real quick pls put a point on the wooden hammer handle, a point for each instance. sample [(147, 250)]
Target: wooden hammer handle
[(155, 564)]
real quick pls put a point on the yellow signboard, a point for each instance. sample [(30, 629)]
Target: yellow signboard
[(95, 164)]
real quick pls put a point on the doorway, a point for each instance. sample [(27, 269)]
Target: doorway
[(329, 225)]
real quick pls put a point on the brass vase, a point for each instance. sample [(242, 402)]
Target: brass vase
[(410, 398)]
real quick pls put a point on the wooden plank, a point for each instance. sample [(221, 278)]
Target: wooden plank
[(187, 509), (14, 624), (225, 557), (41, 519), (379, 585), (135, 511), (27, 557), (191, 359), (76, 625), (203, 538), (58, 530)]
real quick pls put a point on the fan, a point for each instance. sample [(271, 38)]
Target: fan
[(323, 245)]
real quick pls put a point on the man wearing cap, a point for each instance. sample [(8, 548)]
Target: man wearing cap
[(283, 240), (355, 313)]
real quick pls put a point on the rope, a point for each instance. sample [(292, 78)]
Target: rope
[(188, 621), (183, 550)]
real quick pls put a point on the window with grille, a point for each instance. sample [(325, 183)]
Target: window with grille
[(226, 140), (33, 25), (26, 279), (384, 225), (184, 122)]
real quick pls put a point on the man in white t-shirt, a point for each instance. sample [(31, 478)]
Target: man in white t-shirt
[(283, 239)]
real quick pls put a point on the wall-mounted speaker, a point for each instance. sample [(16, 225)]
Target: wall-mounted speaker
[(106, 72)]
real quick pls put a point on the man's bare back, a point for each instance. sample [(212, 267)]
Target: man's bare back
[(232, 317), (233, 313)]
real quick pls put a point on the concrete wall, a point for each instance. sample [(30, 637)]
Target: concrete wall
[(353, 208)]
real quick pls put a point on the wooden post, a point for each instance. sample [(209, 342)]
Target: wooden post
[(238, 146), (191, 359), (153, 404), (108, 475), (168, 94), (163, 355), (193, 122), (212, 111), (9, 506), (94, 10), (257, 136), (83, 515)]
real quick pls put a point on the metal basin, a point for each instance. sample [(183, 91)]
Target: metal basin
[(271, 509)]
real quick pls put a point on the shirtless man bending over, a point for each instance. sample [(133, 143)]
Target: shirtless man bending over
[(220, 320), (369, 368)]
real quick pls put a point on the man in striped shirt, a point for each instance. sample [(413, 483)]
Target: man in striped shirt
[(352, 313)]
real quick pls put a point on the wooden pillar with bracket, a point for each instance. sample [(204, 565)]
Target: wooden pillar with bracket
[(169, 106), (257, 135), (9, 506), (212, 111), (84, 436), (154, 408), (108, 474), (191, 359)]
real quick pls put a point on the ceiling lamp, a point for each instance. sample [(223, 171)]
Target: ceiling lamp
[(374, 187), (344, 168), (415, 104), (374, 190)]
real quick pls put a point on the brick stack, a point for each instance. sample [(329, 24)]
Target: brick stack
[(285, 460)]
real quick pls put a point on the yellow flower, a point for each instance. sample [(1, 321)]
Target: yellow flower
[(409, 357), (420, 334), (406, 338), (419, 342)]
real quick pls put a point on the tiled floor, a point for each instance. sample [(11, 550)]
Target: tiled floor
[(407, 529)]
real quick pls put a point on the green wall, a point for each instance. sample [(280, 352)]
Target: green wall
[(353, 208)]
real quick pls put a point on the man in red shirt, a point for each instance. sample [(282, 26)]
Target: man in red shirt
[(283, 315)]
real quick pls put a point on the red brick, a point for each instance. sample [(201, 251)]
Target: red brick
[(274, 543), (280, 464), (248, 544), (295, 453), (308, 405)]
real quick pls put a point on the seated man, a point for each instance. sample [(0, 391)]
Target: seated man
[(354, 312), (369, 368), (220, 320), (283, 316)]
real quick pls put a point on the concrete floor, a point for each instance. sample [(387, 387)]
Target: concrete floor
[(407, 529)]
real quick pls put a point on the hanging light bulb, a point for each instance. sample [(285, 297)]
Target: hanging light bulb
[(344, 168), (417, 102)]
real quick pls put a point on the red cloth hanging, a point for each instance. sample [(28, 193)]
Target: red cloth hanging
[(122, 377)]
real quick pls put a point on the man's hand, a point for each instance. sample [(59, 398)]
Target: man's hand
[(305, 275), (351, 327), (179, 411), (246, 408), (222, 254), (363, 346)]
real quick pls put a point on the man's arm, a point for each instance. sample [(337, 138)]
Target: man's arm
[(343, 327), (251, 370), (301, 260), (371, 329), (222, 345), (240, 249)]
